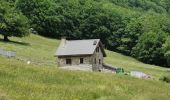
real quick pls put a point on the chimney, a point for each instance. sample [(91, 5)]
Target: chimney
[(63, 41), (94, 42)]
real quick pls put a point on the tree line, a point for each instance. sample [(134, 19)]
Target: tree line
[(138, 28)]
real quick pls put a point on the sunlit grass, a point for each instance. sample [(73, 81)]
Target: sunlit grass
[(131, 64), (21, 81), (42, 80), (33, 48)]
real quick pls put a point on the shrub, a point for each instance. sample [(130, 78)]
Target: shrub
[(165, 79)]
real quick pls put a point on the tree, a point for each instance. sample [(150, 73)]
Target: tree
[(166, 48), (12, 22), (101, 23), (43, 16), (129, 38), (124, 26), (149, 48), (166, 5)]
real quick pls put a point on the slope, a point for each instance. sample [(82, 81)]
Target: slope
[(19, 80), (40, 51)]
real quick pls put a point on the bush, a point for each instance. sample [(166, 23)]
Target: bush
[(165, 79), (149, 48)]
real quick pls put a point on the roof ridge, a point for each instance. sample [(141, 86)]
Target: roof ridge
[(83, 40)]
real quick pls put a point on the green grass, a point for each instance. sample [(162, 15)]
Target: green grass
[(131, 64), (42, 80), (39, 50), (21, 81)]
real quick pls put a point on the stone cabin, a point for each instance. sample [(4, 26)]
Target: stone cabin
[(81, 53)]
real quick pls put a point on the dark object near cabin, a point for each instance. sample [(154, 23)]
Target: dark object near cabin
[(109, 67), (165, 79)]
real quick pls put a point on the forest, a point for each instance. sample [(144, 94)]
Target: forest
[(137, 28)]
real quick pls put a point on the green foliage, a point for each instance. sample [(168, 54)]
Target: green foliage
[(42, 15), (118, 23), (149, 48), (12, 22), (165, 79), (102, 25), (166, 4), (166, 48)]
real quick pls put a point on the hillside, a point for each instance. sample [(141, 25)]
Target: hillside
[(137, 28), (40, 51), (43, 80)]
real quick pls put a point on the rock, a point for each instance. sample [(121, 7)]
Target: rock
[(28, 62), (139, 75)]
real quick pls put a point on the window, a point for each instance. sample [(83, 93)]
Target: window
[(68, 61), (97, 49), (95, 61), (81, 60), (99, 61)]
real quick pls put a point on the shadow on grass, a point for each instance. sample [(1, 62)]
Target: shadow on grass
[(15, 42)]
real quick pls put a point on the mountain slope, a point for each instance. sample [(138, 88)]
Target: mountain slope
[(43, 80), (33, 48), (20, 81), (40, 50), (131, 64)]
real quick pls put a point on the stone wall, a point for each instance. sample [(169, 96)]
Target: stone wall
[(75, 61), (97, 56)]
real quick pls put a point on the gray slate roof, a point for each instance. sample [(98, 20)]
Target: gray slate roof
[(78, 47)]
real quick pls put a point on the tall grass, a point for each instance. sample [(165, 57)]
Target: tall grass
[(19, 81)]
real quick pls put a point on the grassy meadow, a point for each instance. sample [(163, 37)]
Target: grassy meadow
[(131, 64), (42, 80), (39, 50)]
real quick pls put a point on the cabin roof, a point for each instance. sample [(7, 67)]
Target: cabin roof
[(79, 47)]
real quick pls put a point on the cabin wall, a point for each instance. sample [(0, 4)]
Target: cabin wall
[(97, 65), (91, 61), (75, 61)]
